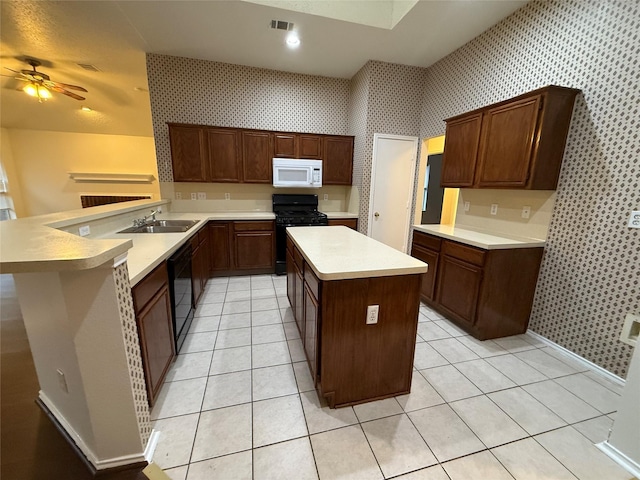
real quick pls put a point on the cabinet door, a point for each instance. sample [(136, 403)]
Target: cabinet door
[(254, 250), (256, 157), (311, 310), (285, 145), (337, 163), (346, 222), (458, 288), (224, 155), (461, 151), (298, 310), (508, 137), (430, 258), (156, 341), (291, 280), (188, 150), (310, 146), (220, 254)]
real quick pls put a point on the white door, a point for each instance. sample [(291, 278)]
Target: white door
[(392, 175)]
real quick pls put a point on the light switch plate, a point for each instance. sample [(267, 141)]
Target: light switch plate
[(494, 209), (84, 230), (372, 314), (634, 219), (202, 196), (526, 211), (467, 205), (194, 196)]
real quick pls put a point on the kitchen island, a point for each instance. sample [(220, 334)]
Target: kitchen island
[(355, 301)]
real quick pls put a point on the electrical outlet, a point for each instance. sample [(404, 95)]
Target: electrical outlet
[(202, 196), (62, 381), (194, 196), (634, 219), (526, 211), (467, 205), (494, 209), (178, 195), (372, 314), (84, 230), (326, 196), (227, 196)]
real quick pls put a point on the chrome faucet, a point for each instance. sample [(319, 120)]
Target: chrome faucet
[(141, 222)]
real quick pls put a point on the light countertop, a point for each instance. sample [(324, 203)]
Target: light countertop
[(337, 253), (480, 239), (341, 215)]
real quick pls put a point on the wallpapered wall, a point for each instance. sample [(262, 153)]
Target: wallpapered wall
[(186, 90), (386, 98), (589, 278)]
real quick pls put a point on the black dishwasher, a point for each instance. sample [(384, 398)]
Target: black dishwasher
[(179, 265)]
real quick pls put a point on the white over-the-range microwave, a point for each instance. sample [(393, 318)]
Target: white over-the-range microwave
[(295, 172)]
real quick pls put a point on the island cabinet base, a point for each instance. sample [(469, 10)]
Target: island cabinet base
[(359, 362)]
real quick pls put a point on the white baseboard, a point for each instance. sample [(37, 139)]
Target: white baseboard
[(574, 356), (84, 448), (151, 445), (620, 458)]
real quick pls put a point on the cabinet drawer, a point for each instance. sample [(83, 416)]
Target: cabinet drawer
[(426, 240), (148, 286), (252, 226), (463, 252), (312, 281)]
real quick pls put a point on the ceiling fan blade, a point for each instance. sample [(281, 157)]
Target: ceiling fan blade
[(66, 85), (12, 70), (14, 77), (55, 88)]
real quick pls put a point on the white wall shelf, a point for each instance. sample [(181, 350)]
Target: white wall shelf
[(111, 177)]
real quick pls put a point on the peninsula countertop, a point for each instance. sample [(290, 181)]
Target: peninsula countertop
[(339, 253), (478, 238)]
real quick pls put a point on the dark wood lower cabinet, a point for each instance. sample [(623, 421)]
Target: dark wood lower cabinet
[(242, 247), (219, 247), (347, 222), (152, 303), (489, 293)]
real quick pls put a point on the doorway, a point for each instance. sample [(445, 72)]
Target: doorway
[(392, 176)]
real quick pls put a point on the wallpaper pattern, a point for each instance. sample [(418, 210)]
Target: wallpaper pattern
[(589, 278), (221, 94), (393, 106), (134, 358)]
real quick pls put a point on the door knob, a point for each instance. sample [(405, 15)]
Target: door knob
[(376, 214)]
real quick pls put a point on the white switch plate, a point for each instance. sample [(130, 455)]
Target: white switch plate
[(194, 196), (467, 205), (634, 219), (84, 230), (326, 196), (178, 195), (202, 196), (494, 209), (62, 381), (526, 211), (372, 314), (227, 196)]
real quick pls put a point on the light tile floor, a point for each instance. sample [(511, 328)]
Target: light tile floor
[(239, 403)]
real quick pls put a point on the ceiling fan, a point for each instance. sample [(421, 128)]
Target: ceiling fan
[(39, 84)]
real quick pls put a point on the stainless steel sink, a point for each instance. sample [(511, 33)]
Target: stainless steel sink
[(162, 226)]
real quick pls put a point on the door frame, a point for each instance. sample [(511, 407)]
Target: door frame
[(414, 140)]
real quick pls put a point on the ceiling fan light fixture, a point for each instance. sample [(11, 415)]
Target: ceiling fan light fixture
[(39, 91), (86, 109)]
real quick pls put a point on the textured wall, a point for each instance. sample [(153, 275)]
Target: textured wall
[(212, 93), (393, 106), (589, 278)]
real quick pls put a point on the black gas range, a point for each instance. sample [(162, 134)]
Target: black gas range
[(293, 211)]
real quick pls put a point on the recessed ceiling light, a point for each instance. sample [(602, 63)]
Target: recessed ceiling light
[(85, 109), (293, 41)]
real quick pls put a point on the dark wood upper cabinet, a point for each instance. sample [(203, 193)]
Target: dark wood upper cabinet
[(461, 151), (310, 146), (223, 155), (188, 150), (256, 157), (337, 166), (285, 145), (517, 143)]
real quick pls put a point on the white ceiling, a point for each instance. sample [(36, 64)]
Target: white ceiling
[(114, 36)]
